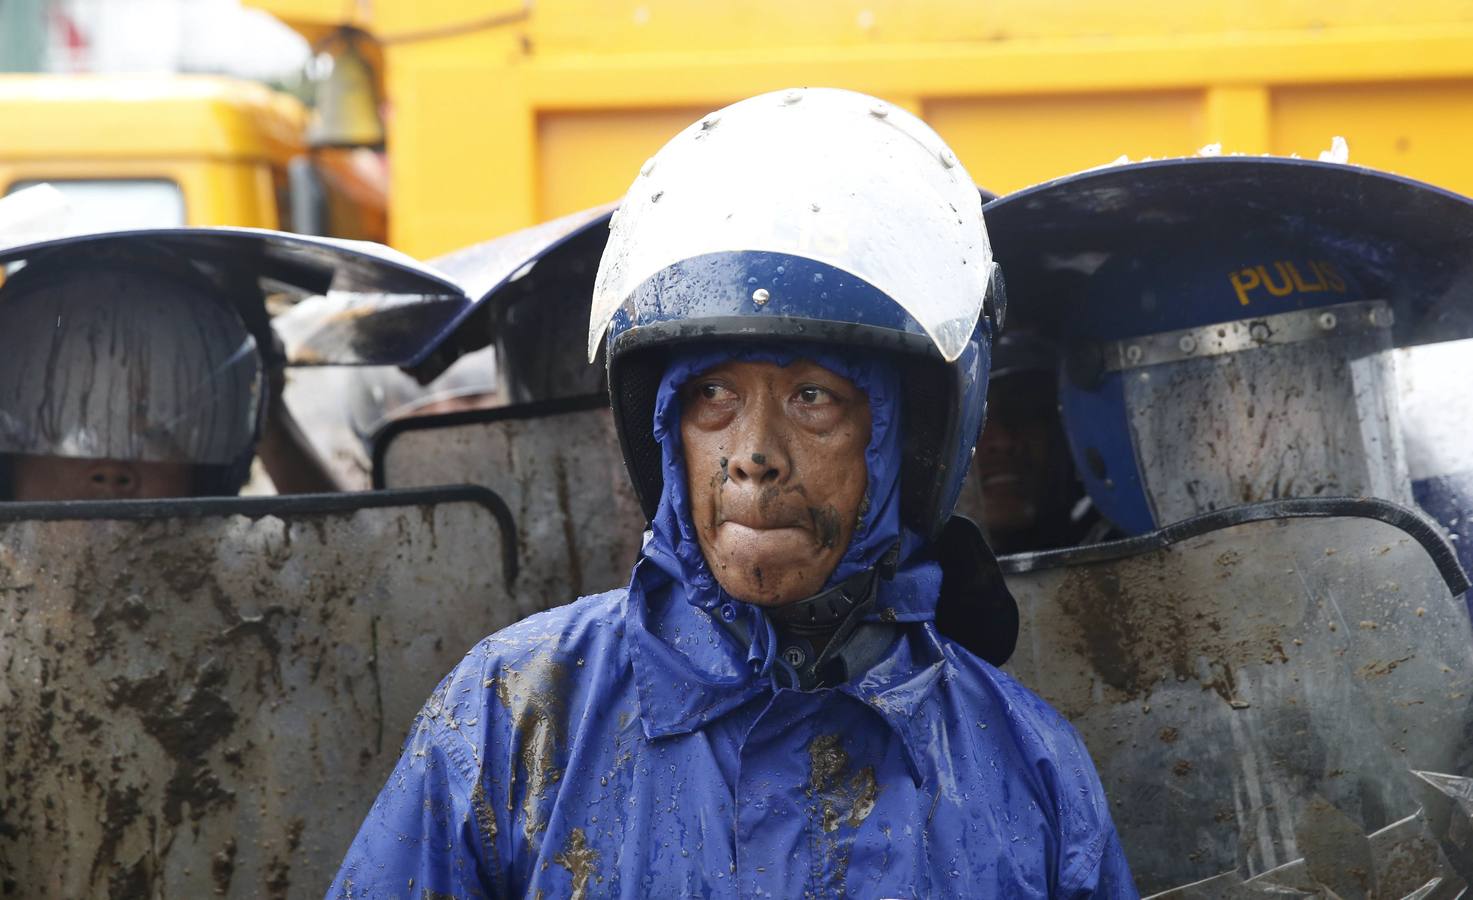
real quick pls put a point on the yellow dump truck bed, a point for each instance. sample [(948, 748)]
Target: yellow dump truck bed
[(505, 114)]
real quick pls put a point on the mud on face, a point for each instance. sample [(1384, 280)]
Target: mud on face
[(776, 474)]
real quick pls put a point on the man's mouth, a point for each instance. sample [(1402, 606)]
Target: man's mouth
[(738, 528), (1002, 479), (758, 523)]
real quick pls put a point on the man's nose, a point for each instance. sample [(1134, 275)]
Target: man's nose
[(998, 439), (759, 453), (112, 480)]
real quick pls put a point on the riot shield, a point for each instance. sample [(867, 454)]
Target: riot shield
[(531, 289), (1411, 241), (203, 697), (1257, 685), (367, 304), (557, 465), (1407, 244)]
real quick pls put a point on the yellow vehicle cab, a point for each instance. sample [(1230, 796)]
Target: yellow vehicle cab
[(145, 151)]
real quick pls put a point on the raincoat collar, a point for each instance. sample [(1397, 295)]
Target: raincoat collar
[(689, 668), (688, 671)]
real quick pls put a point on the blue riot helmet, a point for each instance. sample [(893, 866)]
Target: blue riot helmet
[(813, 216), (1206, 375)]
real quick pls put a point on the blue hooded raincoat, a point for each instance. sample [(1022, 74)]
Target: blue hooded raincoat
[(629, 745)]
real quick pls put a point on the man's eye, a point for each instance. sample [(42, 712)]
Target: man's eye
[(713, 391), (814, 395)]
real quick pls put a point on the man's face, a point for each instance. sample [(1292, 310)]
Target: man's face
[(775, 466), (1013, 465), (63, 478)]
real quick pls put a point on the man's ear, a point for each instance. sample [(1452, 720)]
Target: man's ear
[(976, 609)]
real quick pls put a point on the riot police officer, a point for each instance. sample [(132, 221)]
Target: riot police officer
[(798, 304), (1022, 487)]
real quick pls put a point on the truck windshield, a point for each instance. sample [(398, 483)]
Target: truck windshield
[(116, 204)]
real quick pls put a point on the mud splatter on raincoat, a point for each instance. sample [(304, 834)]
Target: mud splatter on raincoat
[(629, 745)]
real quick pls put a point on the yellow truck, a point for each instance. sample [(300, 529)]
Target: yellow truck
[(507, 113), (155, 151)]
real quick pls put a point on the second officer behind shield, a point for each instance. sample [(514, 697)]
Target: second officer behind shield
[(124, 376), (796, 694), (1023, 490)]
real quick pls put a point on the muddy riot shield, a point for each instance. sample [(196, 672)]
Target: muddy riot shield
[(203, 697), (361, 303), (1067, 248), (558, 466), (1257, 687)]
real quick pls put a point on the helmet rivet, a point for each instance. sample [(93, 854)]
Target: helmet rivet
[(878, 111), (655, 197), (792, 97), (760, 296), (1187, 344), (648, 167), (709, 122), (1259, 331), (1327, 320), (1133, 354), (813, 206), (948, 159)]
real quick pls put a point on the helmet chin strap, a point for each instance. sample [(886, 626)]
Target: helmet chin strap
[(823, 639)]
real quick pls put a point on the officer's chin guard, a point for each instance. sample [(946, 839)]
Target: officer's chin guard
[(976, 608)]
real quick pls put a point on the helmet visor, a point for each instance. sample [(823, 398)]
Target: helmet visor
[(106, 366)]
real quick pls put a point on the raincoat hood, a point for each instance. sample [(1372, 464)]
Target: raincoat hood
[(673, 562)]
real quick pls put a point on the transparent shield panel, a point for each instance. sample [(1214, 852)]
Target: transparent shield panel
[(350, 328), (1257, 694), (1303, 420), (483, 267), (828, 175), (230, 678), (346, 302), (378, 395), (107, 365), (558, 467)]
